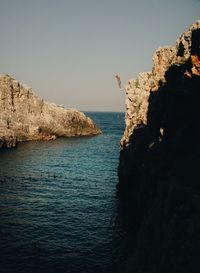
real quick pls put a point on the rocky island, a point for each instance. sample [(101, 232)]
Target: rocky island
[(159, 161), (24, 116)]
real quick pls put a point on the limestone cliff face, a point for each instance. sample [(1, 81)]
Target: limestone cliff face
[(138, 90), (159, 161), (24, 116)]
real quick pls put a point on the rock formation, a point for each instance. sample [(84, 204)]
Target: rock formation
[(24, 116), (159, 161), (138, 90)]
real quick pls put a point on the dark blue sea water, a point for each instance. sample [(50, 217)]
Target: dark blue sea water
[(58, 203)]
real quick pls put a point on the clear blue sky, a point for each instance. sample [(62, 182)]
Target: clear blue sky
[(68, 50)]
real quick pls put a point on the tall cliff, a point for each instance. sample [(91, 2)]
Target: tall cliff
[(159, 161), (24, 116)]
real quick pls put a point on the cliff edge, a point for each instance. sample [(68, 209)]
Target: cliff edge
[(24, 116), (159, 161)]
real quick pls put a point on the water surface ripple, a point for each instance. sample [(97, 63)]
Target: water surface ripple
[(58, 203)]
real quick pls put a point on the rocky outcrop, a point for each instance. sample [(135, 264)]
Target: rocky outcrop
[(138, 90), (159, 161), (24, 116)]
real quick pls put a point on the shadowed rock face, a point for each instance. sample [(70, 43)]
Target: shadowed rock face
[(138, 90), (159, 161), (24, 116)]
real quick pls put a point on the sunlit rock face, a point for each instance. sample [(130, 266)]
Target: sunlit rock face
[(138, 90), (24, 116), (159, 160)]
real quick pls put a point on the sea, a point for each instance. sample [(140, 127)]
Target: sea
[(59, 208)]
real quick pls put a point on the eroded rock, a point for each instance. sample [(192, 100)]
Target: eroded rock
[(138, 90), (159, 162), (24, 116)]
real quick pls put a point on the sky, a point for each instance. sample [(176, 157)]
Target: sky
[(69, 50)]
